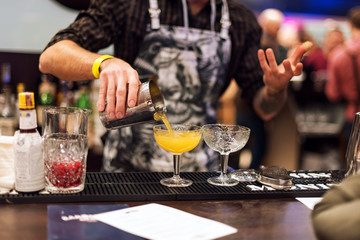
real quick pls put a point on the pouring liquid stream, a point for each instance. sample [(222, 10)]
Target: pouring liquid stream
[(176, 140), (162, 116)]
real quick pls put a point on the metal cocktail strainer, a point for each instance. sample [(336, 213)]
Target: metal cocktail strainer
[(276, 177)]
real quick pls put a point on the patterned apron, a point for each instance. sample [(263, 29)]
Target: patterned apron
[(190, 66)]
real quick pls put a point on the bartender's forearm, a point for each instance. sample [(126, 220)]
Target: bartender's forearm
[(268, 104), (67, 60)]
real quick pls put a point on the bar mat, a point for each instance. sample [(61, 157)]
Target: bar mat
[(145, 186)]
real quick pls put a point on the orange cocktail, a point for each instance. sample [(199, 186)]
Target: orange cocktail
[(179, 139)]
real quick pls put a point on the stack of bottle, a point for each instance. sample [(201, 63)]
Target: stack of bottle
[(51, 92)]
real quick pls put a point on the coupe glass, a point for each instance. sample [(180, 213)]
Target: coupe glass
[(181, 138), (225, 139)]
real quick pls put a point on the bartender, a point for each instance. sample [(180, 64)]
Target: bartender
[(193, 47)]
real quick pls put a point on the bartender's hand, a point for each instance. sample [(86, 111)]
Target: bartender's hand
[(276, 78), (119, 84)]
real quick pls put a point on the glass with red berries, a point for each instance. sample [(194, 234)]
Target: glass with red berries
[(65, 143), (65, 162)]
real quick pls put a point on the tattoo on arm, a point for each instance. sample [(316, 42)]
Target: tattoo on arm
[(269, 105)]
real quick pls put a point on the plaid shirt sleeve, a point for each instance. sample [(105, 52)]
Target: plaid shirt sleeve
[(244, 64), (96, 27)]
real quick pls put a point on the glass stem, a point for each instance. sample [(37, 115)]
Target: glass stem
[(176, 158), (224, 160)]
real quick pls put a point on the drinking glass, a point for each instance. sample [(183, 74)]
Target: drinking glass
[(179, 139), (65, 162), (65, 143), (225, 139)]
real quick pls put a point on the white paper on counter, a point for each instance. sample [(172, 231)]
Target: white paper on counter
[(309, 201), (155, 221)]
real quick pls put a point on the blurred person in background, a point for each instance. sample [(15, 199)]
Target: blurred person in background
[(333, 39), (193, 47), (270, 21), (343, 83), (315, 65)]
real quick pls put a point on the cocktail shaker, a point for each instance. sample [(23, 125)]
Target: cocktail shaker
[(149, 101)]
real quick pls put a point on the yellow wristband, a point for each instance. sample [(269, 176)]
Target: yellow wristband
[(96, 65)]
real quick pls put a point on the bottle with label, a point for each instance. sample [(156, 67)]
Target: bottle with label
[(29, 163)]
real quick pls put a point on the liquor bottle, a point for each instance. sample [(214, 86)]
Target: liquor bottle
[(7, 110), (65, 96), (29, 163), (20, 87), (7, 114), (47, 93), (84, 102)]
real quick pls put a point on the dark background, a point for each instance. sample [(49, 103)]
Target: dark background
[(327, 7)]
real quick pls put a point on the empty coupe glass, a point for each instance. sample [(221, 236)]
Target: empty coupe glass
[(225, 139)]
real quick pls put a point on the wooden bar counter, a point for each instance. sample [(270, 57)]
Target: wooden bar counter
[(257, 211), (256, 219)]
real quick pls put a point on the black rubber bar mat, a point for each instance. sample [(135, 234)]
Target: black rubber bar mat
[(145, 186)]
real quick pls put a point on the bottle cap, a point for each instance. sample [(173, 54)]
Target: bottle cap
[(20, 87), (26, 100)]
